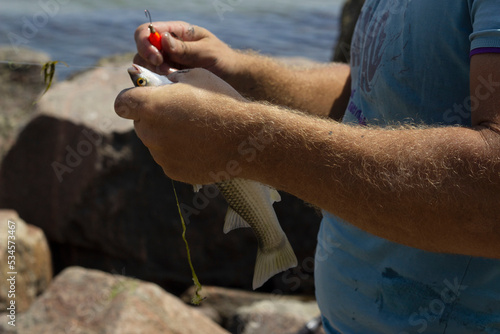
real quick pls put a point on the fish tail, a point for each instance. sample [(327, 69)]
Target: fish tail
[(273, 262)]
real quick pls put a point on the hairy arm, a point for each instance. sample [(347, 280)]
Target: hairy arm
[(436, 189), (322, 90)]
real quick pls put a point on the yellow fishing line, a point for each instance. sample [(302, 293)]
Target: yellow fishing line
[(197, 299)]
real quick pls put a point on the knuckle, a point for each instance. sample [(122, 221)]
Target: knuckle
[(191, 31), (185, 54)]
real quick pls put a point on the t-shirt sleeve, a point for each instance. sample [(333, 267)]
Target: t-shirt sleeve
[(485, 19)]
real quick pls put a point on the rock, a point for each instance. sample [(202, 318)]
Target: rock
[(350, 14), (80, 173), (92, 302), (32, 268), (88, 98), (275, 316), (251, 312), (22, 84), (221, 303)]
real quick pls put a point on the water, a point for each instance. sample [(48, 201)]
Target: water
[(81, 32)]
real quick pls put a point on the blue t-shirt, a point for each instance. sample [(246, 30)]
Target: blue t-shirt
[(409, 63)]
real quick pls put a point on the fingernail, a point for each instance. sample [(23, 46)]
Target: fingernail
[(171, 41), (155, 59)]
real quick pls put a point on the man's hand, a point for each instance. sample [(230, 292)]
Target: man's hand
[(187, 126), (184, 46), (321, 90)]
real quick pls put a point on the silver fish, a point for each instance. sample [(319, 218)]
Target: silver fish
[(250, 205)]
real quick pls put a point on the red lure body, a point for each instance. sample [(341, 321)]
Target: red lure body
[(154, 37)]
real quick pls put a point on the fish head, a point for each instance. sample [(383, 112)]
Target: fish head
[(142, 77), (138, 75)]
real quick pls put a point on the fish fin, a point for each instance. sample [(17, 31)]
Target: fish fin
[(274, 194), (197, 187), (269, 264), (233, 221)]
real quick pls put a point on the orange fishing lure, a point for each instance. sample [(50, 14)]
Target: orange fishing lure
[(154, 37)]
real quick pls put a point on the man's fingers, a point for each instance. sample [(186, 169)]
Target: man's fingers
[(185, 53), (172, 34), (184, 31), (163, 69), (130, 101), (140, 61), (145, 49)]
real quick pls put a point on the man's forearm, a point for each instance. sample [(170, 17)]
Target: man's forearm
[(322, 90), (437, 188)]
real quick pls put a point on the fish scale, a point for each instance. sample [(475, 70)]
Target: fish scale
[(250, 205), (252, 210)]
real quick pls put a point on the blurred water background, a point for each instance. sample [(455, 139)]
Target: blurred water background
[(81, 32)]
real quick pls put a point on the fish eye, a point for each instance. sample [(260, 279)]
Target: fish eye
[(142, 82)]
